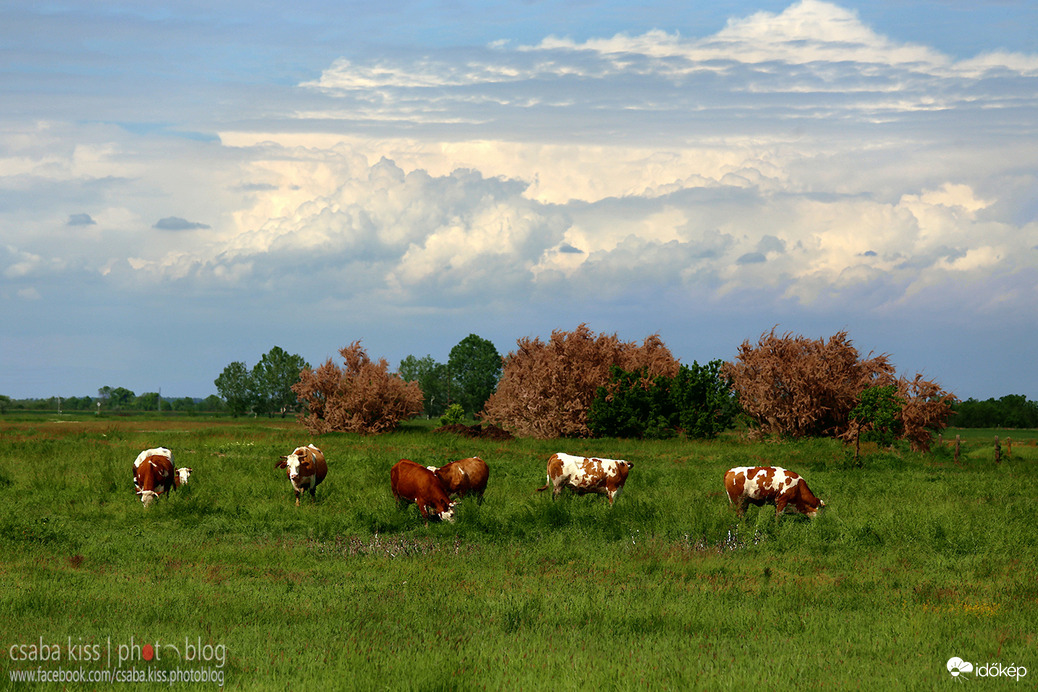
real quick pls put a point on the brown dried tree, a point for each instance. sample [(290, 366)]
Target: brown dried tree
[(792, 385), (927, 408), (547, 387), (362, 397)]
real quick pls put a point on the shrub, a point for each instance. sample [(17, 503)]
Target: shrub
[(926, 410), (454, 414), (791, 385), (876, 417), (363, 397), (698, 401), (547, 388)]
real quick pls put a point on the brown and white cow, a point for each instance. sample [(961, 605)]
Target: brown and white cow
[(587, 475), (305, 468), (761, 485), (180, 475), (411, 482), (464, 476), (153, 474)]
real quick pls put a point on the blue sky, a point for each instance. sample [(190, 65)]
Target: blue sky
[(183, 185)]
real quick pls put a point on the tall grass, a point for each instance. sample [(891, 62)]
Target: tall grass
[(915, 560)]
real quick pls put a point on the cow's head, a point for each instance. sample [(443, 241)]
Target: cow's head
[(299, 464), (182, 474), (148, 496), (807, 502), (448, 514)]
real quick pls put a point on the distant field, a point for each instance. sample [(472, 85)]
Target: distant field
[(917, 559)]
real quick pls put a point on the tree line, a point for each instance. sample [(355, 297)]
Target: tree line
[(582, 384), (116, 399)]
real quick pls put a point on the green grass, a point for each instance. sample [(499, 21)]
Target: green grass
[(916, 559)]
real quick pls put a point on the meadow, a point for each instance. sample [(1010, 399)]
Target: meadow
[(916, 559)]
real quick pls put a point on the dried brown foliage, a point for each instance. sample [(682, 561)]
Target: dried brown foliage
[(362, 397), (547, 387), (792, 385), (927, 408)]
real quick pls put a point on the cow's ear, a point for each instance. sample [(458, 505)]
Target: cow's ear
[(282, 463)]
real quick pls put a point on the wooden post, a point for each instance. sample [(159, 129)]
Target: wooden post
[(998, 451), (958, 439), (1009, 448)]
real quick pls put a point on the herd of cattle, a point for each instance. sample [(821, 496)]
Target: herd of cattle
[(436, 490)]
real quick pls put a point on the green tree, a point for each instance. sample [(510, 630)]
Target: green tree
[(706, 403), (212, 403), (697, 401), (877, 416), (184, 404), (432, 377), (475, 369), (149, 401), (272, 379), (234, 387), (119, 398), (5, 403)]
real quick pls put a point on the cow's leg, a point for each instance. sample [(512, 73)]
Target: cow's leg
[(780, 504), (313, 493), (297, 498)]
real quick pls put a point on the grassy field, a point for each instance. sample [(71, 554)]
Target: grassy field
[(916, 559)]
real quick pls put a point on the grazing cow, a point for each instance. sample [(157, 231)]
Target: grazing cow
[(459, 478), (411, 482), (306, 469), (153, 474), (181, 474), (587, 475), (760, 485)]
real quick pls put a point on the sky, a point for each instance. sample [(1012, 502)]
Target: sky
[(185, 185)]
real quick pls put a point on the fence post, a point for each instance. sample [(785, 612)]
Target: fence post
[(1009, 448), (998, 451), (958, 439)]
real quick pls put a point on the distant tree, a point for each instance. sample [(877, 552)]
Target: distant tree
[(120, 398), (547, 388), (212, 403), (5, 403), (475, 369), (149, 401), (1010, 411), (272, 379), (184, 404), (79, 403), (432, 377), (361, 397), (233, 384)]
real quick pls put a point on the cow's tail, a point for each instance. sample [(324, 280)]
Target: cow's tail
[(543, 487)]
